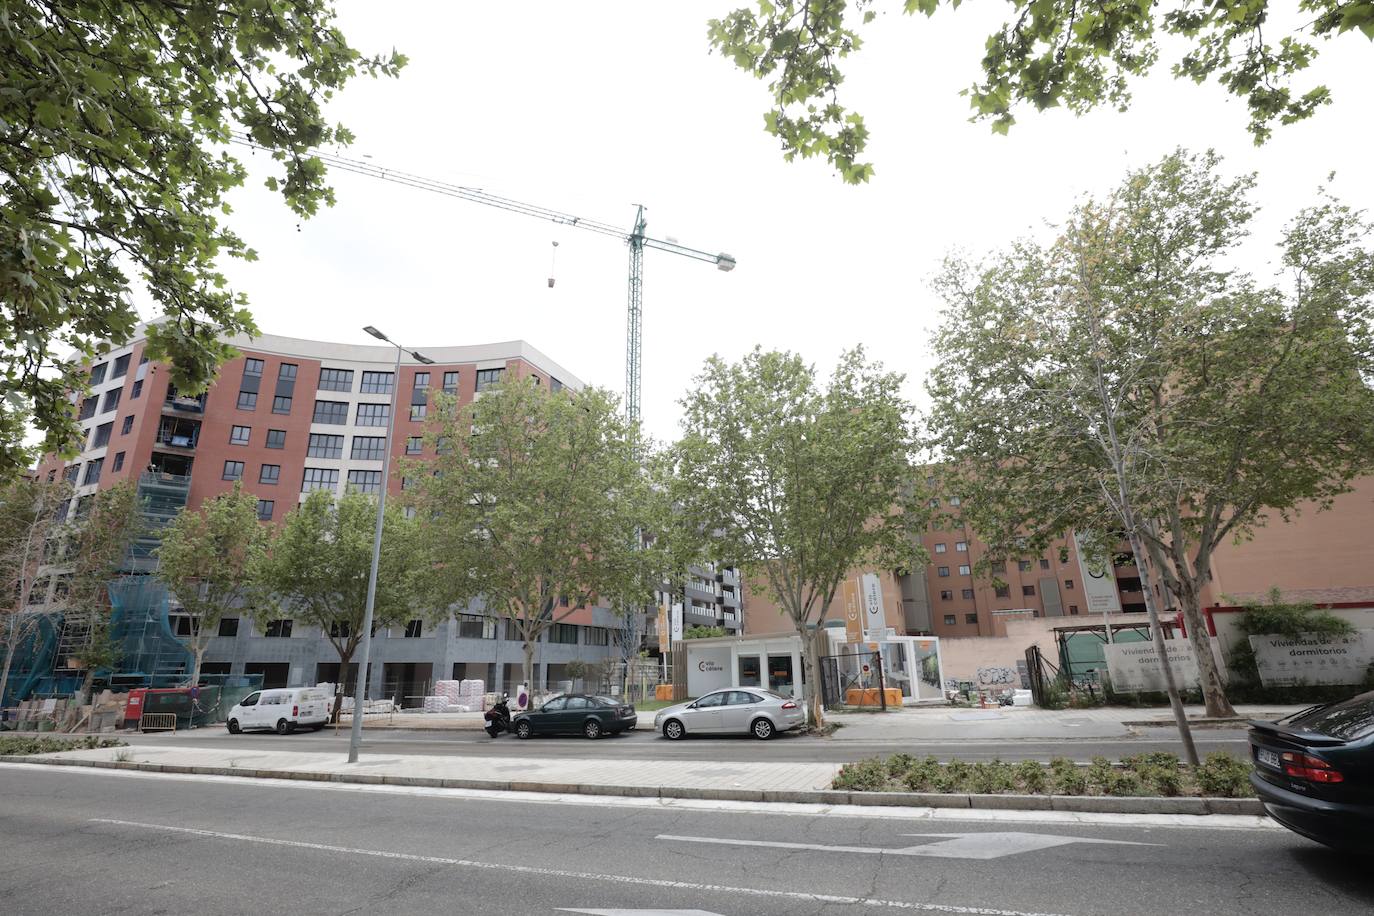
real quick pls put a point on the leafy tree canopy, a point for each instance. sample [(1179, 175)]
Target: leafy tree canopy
[(112, 120), (1048, 53)]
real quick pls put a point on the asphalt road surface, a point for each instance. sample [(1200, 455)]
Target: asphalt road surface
[(106, 842), (647, 745)]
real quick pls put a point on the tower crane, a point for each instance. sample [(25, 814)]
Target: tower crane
[(636, 239)]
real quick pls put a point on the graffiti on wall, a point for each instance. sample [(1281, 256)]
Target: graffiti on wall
[(996, 675)]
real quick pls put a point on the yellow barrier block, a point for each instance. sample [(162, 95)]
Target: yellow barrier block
[(663, 692), (855, 696)]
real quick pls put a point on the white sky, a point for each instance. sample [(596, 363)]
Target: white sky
[(591, 108)]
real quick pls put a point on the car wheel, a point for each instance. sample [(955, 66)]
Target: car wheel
[(283, 727), (673, 730), (234, 729), (762, 729), (523, 730), (592, 729)]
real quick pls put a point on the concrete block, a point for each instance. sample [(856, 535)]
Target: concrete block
[(910, 799), (801, 797), (1109, 805), (428, 782), (628, 791), (1250, 806), (1011, 802), (711, 794)]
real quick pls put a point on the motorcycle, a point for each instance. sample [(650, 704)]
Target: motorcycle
[(498, 717)]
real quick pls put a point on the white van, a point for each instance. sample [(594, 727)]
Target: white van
[(281, 710)]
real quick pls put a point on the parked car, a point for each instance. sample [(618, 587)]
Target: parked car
[(577, 714), (283, 710), (1314, 772), (737, 710)]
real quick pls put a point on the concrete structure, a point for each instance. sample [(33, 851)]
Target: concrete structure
[(290, 416)]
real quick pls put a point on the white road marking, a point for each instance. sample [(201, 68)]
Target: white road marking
[(642, 912), (633, 880), (953, 845), (781, 809)]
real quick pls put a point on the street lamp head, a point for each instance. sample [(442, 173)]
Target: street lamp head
[(376, 333), (422, 359)]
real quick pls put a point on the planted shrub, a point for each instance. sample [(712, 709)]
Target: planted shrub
[(1067, 778), (1031, 776), (952, 777), (865, 776), (1224, 776), (920, 776), (1100, 773), (898, 764), (20, 745)]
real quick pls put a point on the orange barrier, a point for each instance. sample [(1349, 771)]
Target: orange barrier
[(663, 692), (855, 696)]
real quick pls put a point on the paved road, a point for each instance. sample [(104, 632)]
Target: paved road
[(648, 746), (91, 841)]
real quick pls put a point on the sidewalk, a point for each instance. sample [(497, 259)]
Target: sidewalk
[(945, 723)]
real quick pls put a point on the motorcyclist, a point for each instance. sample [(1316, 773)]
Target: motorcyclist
[(498, 717)]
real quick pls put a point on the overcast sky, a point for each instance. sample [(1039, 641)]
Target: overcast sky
[(592, 108)]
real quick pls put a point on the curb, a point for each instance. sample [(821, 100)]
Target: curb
[(1073, 803)]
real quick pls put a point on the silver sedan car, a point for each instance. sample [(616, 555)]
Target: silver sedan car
[(733, 711)]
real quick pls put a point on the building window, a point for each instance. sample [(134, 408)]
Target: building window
[(450, 383), (331, 413), (554, 384), (942, 572), (414, 444), (98, 373), (934, 502), (265, 507), (279, 629), (93, 471), (377, 383), (364, 481), (336, 379), (421, 380), (475, 626), (88, 407), (102, 435), (248, 400), (487, 378), (954, 500), (320, 479), (1073, 610), (373, 414), (443, 445), (1023, 565), (971, 618), (940, 548), (949, 620), (239, 435), (1028, 590), (228, 626), (1068, 584), (121, 366), (325, 445), (119, 462), (1003, 591), (269, 474), (1044, 564), (369, 448), (563, 634), (70, 474), (961, 546), (276, 438), (596, 636), (286, 372), (112, 399), (281, 404), (967, 593), (252, 367), (137, 390), (964, 569), (128, 425), (233, 470), (414, 629), (342, 630), (946, 595), (418, 411)]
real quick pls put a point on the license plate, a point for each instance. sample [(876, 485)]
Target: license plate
[(1268, 758)]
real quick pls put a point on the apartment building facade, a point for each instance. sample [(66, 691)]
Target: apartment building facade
[(288, 417)]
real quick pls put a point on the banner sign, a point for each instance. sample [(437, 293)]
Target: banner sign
[(663, 628), (875, 621), (1312, 659), (1134, 666), (1099, 585), (677, 623), (853, 611)]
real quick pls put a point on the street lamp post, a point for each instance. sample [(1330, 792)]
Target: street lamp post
[(360, 691)]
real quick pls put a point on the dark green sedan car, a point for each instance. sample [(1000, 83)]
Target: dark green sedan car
[(576, 714)]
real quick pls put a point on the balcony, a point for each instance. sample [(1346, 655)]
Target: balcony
[(184, 403), (178, 432)]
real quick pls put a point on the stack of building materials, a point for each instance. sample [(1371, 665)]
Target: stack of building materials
[(455, 696)]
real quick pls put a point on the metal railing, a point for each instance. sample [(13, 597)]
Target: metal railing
[(158, 722)]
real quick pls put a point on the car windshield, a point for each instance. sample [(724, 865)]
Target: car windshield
[(1349, 721)]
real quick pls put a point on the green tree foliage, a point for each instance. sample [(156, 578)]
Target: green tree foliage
[(1127, 377), (1049, 53), (112, 120), (208, 559), (29, 512), (1294, 619), (316, 570), (701, 632), (796, 482), (533, 505)]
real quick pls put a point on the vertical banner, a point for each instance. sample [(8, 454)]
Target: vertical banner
[(1099, 585), (853, 611), (677, 623), (875, 621), (663, 628)]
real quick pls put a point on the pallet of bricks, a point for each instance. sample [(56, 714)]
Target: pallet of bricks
[(456, 696)]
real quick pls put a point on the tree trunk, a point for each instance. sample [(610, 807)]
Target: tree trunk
[(344, 659), (10, 647), (1185, 732), (199, 652), (811, 672), (529, 670), (1209, 677)]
